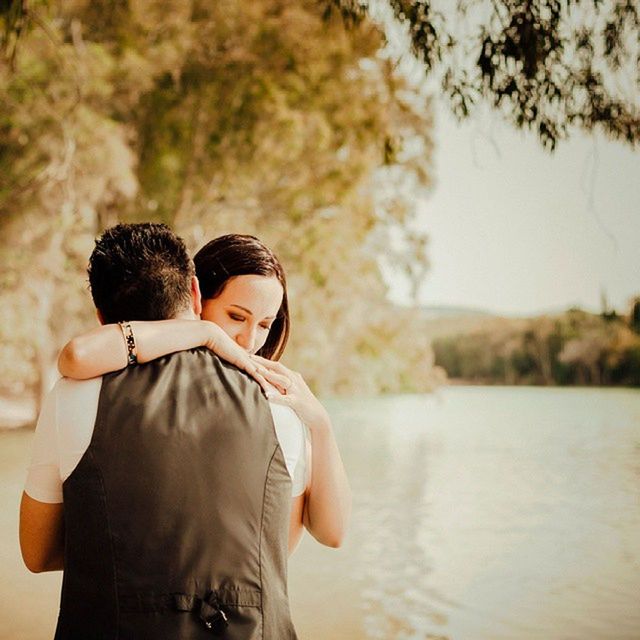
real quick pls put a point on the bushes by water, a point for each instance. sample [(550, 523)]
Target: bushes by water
[(576, 347)]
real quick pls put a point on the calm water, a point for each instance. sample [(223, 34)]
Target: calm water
[(479, 514)]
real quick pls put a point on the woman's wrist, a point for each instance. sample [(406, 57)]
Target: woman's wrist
[(320, 421), (211, 334)]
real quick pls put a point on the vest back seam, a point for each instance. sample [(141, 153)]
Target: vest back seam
[(262, 515)]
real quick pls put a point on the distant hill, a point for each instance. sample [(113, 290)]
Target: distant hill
[(443, 320), (450, 311), (444, 311)]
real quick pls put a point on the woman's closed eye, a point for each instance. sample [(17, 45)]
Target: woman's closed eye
[(236, 317)]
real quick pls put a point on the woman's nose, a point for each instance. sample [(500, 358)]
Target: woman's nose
[(247, 339)]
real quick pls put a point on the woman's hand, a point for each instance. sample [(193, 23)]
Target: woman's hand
[(292, 391), (227, 349)]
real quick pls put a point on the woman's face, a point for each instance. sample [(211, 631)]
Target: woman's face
[(246, 309)]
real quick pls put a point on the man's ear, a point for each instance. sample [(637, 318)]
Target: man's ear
[(196, 296), (100, 316)]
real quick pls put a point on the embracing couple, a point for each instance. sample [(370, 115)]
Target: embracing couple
[(177, 463)]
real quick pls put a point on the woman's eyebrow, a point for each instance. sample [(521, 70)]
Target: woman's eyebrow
[(249, 312), (237, 306)]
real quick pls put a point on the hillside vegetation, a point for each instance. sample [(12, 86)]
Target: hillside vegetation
[(575, 347)]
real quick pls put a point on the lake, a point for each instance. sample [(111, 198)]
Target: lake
[(480, 513)]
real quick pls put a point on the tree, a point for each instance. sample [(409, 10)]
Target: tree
[(265, 117), (62, 162), (546, 65), (575, 347)]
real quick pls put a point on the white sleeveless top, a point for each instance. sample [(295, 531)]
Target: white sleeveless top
[(65, 426)]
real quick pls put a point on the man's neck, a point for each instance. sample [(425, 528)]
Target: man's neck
[(186, 315)]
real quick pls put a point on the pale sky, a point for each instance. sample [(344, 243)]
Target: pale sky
[(516, 230)]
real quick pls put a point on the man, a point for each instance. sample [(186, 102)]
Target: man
[(175, 500)]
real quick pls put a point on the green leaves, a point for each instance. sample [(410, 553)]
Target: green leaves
[(548, 66)]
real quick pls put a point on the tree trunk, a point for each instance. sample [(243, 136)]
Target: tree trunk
[(45, 344)]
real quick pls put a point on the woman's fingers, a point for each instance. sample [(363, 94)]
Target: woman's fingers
[(282, 383), (261, 381), (272, 365), (275, 373), (258, 358), (279, 398), (292, 378)]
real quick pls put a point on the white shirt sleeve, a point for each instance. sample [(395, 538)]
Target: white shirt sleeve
[(63, 433), (43, 476), (291, 433), (301, 473)]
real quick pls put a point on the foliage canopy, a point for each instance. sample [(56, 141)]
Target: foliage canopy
[(546, 65), (266, 117)]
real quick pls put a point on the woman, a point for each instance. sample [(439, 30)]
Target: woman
[(245, 320)]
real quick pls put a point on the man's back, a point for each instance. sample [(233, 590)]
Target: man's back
[(177, 514)]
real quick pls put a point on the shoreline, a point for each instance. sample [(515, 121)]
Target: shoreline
[(18, 413)]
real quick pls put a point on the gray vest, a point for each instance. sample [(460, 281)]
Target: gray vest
[(177, 515)]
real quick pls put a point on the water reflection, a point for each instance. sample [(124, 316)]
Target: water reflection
[(489, 513), (392, 520)]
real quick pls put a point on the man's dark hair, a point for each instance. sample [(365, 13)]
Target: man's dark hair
[(140, 272)]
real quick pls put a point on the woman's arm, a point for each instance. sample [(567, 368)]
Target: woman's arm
[(327, 506), (103, 349)]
